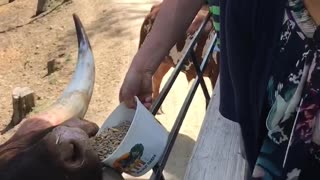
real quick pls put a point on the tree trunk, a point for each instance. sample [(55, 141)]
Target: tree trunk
[(45, 5), (53, 65), (22, 103), (3, 2)]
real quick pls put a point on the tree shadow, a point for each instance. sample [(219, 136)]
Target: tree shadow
[(16, 14), (179, 156), (115, 22)]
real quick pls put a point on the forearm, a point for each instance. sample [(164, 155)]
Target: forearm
[(171, 23)]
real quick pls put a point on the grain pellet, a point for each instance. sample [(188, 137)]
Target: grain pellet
[(109, 139)]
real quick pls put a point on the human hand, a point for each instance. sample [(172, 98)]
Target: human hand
[(136, 83)]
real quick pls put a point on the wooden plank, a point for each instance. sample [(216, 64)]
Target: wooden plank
[(218, 151)]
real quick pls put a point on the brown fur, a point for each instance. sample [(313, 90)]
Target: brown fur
[(32, 153), (212, 69)]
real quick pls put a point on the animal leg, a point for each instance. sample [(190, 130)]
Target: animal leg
[(190, 75), (157, 79)]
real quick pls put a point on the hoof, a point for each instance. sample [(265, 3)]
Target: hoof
[(160, 111)]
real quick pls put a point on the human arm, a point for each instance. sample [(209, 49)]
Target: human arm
[(171, 23)]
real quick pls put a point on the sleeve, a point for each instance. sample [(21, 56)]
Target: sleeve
[(237, 49)]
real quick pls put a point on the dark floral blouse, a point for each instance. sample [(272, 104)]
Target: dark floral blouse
[(291, 151)]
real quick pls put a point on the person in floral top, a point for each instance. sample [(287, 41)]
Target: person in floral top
[(269, 77), (292, 148)]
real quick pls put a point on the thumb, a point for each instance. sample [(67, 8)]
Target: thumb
[(127, 98), (130, 102)]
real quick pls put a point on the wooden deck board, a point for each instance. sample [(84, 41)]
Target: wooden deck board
[(217, 153)]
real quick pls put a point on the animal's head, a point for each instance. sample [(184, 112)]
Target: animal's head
[(136, 151), (53, 144)]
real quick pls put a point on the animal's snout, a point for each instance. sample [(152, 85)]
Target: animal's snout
[(71, 146)]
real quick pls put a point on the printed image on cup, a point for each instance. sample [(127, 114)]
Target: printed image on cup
[(143, 144)]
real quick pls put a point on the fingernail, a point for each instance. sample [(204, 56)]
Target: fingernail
[(147, 105)]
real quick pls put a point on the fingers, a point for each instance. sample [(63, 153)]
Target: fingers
[(147, 105), (130, 88), (127, 98), (147, 102), (136, 84), (130, 101)]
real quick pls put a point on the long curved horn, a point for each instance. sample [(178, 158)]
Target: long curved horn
[(75, 99)]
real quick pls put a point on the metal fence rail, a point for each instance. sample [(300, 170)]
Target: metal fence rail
[(158, 169)]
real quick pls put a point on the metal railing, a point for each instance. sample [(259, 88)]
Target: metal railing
[(159, 167)]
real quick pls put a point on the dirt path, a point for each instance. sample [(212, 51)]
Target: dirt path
[(113, 29)]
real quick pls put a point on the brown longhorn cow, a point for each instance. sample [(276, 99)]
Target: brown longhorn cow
[(53, 144), (212, 69)]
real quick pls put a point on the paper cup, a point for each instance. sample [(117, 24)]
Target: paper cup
[(143, 144)]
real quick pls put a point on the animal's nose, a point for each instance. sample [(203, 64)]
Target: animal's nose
[(70, 134), (71, 146), (70, 151)]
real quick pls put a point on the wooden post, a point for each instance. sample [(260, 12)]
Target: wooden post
[(50, 66), (45, 5), (53, 65), (22, 103), (3, 2), (42, 6)]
